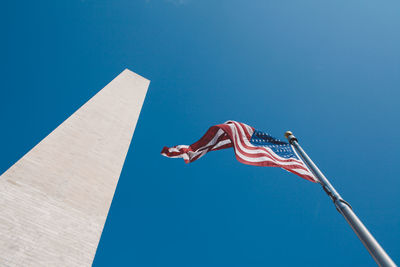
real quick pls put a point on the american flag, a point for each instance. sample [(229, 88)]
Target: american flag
[(251, 147)]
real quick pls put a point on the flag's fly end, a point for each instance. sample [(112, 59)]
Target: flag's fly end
[(176, 152)]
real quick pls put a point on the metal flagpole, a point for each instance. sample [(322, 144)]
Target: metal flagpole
[(373, 247)]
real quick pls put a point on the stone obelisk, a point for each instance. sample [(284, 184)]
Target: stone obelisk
[(54, 201)]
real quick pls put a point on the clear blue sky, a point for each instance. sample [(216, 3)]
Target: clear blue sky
[(327, 70)]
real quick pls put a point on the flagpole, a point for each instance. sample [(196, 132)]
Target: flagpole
[(344, 208)]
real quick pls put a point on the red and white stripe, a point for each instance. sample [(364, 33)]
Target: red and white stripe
[(237, 135)]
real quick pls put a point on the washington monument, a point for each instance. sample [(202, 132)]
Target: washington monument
[(54, 201)]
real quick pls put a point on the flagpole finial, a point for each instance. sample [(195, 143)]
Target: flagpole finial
[(290, 137), (288, 133)]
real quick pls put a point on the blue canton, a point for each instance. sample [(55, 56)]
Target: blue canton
[(279, 147)]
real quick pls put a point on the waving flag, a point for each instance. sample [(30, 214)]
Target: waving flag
[(251, 147)]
